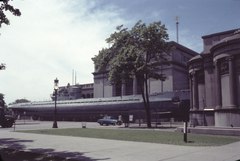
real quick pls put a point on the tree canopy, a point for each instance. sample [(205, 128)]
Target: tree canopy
[(134, 52), (2, 102), (138, 52), (4, 7), (23, 100)]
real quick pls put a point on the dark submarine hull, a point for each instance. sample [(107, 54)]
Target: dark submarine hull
[(95, 108)]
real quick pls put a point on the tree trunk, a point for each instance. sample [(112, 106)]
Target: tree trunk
[(145, 96), (148, 108)]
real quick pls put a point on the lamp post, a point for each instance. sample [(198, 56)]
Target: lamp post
[(55, 107)]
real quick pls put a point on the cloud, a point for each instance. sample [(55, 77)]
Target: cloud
[(49, 40), (53, 37)]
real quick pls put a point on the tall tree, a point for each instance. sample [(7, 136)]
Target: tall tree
[(4, 7), (138, 52), (23, 100), (2, 102), (2, 66)]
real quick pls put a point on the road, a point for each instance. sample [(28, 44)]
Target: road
[(90, 149)]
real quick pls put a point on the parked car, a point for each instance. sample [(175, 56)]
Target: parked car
[(6, 121), (109, 120)]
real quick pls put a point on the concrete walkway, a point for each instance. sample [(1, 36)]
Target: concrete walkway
[(88, 149)]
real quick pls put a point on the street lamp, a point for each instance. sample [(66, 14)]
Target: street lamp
[(55, 108)]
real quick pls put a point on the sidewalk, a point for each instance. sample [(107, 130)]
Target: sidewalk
[(88, 149)]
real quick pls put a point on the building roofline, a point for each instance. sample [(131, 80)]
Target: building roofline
[(220, 33), (184, 48)]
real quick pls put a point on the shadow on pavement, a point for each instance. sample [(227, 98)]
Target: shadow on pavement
[(12, 149)]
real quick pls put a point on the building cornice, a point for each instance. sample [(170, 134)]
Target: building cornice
[(184, 49), (219, 33)]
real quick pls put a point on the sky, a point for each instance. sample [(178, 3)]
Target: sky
[(54, 37)]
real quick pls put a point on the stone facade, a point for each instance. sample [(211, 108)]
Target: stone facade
[(215, 81), (176, 77)]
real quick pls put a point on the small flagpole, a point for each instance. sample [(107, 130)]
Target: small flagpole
[(177, 23)]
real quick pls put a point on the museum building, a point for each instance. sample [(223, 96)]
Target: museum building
[(176, 73), (215, 81)]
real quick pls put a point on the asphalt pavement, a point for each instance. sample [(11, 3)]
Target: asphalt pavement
[(89, 149)]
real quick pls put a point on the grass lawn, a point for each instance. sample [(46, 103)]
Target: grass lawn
[(151, 136)]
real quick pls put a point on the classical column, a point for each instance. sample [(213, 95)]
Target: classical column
[(123, 88), (191, 90), (195, 92), (232, 83), (135, 86), (218, 86), (103, 78)]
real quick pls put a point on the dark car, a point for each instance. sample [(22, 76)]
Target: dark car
[(108, 120), (7, 121)]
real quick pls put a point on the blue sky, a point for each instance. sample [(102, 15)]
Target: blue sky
[(53, 37), (197, 18)]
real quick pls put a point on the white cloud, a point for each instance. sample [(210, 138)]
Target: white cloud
[(49, 40), (53, 37)]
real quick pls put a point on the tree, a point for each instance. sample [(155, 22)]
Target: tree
[(2, 102), (2, 66), (5, 6), (138, 52), (23, 100)]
